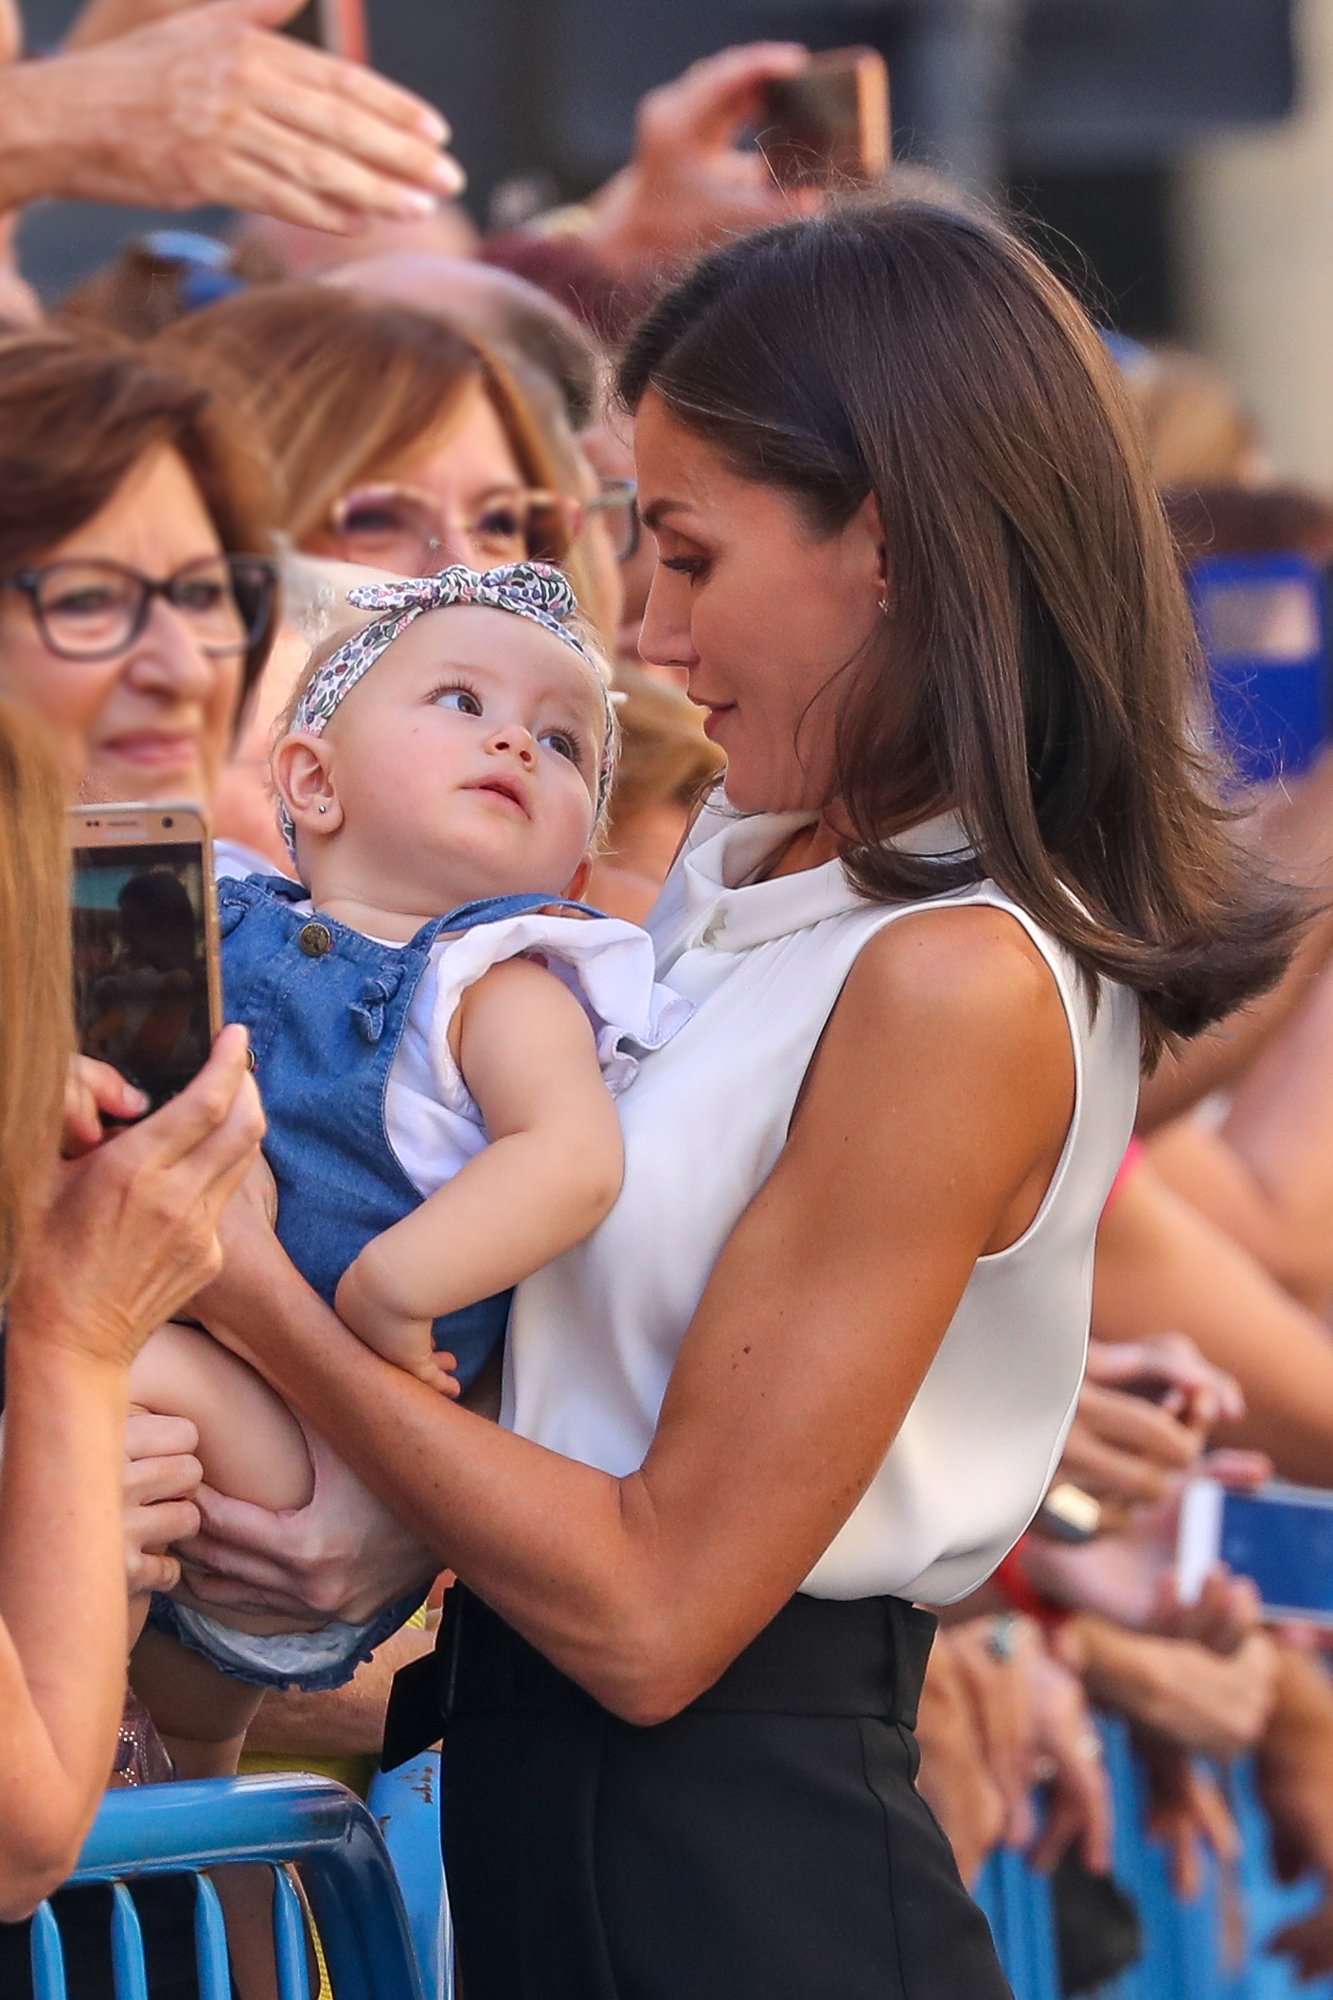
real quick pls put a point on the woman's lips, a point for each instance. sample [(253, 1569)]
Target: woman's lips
[(154, 753), (715, 716)]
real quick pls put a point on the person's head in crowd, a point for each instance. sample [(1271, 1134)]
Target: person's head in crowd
[(156, 280), (397, 442), (912, 562), (137, 600), (541, 340), (36, 1033), (1196, 428), (666, 765), (560, 374), (1232, 520)]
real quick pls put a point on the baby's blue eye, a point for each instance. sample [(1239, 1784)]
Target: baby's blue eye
[(459, 698), (562, 743)]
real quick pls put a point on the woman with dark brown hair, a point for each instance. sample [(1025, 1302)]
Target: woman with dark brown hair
[(968, 874)]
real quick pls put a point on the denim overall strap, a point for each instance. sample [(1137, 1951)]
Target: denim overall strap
[(326, 1008)]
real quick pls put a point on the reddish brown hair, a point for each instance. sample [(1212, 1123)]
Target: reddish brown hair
[(78, 411)]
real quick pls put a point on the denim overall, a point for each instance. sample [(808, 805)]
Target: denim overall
[(326, 1008)]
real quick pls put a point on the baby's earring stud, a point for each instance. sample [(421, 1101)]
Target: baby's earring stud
[(323, 809)]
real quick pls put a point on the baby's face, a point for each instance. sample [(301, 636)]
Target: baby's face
[(477, 738)]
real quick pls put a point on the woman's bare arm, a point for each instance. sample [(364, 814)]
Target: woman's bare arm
[(62, 1649), (1266, 1175), (917, 1148), (1160, 1264)]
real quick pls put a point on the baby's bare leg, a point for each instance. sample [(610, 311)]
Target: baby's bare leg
[(201, 1713), (250, 1444)]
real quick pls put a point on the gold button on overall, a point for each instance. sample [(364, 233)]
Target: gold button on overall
[(315, 940)]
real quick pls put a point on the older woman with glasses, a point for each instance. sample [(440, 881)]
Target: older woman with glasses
[(137, 603), (445, 462)]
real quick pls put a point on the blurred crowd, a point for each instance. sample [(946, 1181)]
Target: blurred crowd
[(353, 372)]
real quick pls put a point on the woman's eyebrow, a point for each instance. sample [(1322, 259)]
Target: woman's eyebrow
[(657, 510)]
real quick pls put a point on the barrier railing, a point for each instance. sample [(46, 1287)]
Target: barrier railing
[(190, 1829), (377, 1896), (1184, 1952)]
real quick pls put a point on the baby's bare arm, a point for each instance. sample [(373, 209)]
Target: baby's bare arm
[(250, 1444), (551, 1172)]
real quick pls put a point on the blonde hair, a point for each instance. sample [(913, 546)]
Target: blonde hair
[(36, 1031), (341, 386)]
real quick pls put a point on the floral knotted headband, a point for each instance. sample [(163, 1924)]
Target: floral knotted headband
[(534, 591)]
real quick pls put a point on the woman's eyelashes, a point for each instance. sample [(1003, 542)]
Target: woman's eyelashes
[(465, 700)]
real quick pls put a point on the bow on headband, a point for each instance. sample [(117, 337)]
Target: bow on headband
[(534, 591)]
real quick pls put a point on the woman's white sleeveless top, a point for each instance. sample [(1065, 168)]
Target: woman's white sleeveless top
[(594, 1336)]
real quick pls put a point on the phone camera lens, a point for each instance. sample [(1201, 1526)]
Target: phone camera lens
[(168, 820)]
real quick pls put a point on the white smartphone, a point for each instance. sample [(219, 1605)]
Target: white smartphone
[(147, 984), (1280, 1535)]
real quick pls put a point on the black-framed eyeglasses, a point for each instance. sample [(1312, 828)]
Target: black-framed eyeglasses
[(618, 501), (90, 609)]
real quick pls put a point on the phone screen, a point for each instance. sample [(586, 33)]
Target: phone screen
[(141, 988), (1285, 1544)]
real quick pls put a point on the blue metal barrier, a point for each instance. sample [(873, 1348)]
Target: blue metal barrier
[(189, 1828), (1183, 1956), (406, 1805)]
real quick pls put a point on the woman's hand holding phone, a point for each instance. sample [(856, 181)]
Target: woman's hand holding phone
[(130, 1232), (95, 1092)]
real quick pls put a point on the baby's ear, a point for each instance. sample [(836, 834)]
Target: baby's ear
[(303, 775), (577, 888)]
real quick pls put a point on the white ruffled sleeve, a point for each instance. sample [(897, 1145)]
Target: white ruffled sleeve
[(607, 964)]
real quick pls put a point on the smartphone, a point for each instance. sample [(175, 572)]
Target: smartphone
[(337, 26), (147, 984), (830, 124), (1280, 1535)]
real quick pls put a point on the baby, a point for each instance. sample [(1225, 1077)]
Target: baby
[(437, 1031)]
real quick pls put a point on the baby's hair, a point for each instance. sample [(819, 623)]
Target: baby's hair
[(579, 626)]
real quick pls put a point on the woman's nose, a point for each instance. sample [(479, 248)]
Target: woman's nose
[(167, 656), (664, 636)]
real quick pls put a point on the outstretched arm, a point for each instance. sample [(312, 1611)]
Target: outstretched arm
[(810, 1342), (209, 105), (550, 1173)]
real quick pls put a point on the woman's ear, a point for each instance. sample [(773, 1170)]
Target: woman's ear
[(303, 775), (868, 526)]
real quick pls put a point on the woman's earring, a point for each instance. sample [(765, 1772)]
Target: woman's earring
[(884, 603), (323, 809)]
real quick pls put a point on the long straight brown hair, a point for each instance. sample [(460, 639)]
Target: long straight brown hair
[(36, 1033), (1039, 648)]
